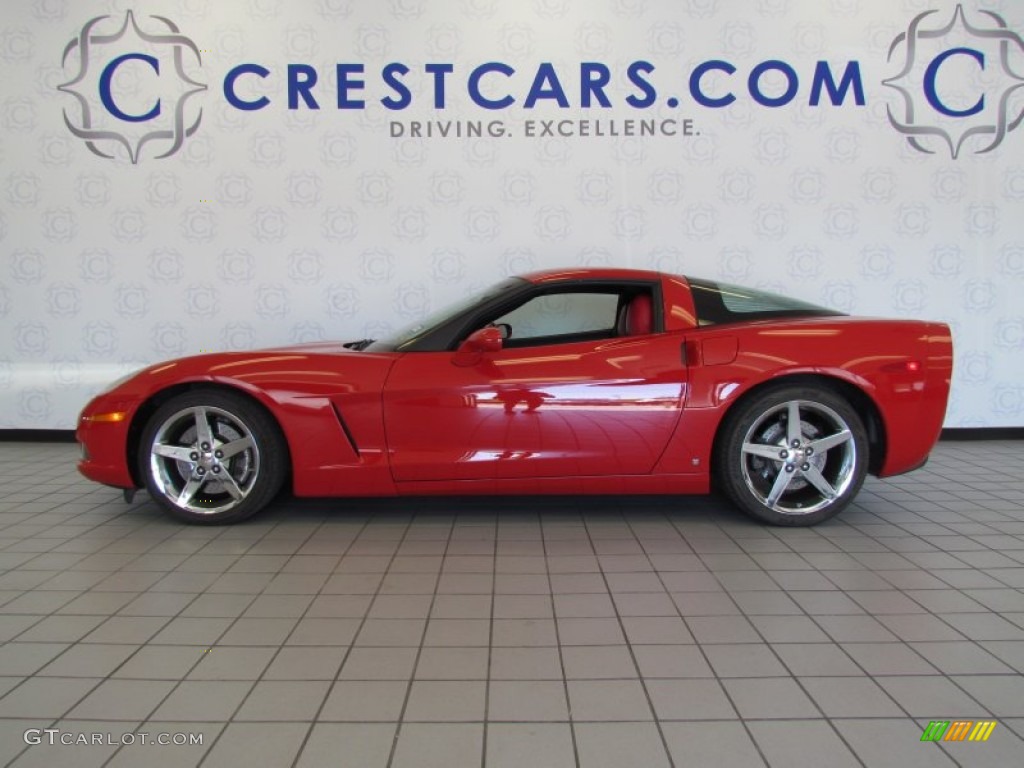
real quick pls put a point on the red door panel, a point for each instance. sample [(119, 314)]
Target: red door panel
[(587, 408)]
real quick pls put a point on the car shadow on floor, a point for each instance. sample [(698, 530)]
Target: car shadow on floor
[(712, 509)]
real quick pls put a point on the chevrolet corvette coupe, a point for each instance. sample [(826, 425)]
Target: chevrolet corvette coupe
[(574, 381)]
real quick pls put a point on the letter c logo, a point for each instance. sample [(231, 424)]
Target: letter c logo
[(932, 73), (108, 98)]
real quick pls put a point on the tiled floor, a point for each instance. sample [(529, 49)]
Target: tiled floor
[(514, 632)]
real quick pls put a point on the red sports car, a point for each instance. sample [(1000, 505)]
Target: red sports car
[(576, 381)]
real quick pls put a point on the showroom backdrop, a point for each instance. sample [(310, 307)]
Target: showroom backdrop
[(202, 174)]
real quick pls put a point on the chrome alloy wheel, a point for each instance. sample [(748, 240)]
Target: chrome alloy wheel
[(204, 460), (798, 457)]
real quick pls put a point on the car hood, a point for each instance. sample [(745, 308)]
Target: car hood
[(235, 366), (313, 348)]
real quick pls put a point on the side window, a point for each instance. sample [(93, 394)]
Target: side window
[(562, 314)]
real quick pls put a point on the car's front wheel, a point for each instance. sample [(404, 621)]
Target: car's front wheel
[(212, 457), (793, 455)]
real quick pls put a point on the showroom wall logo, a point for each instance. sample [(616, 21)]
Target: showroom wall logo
[(132, 86), (937, 62), (118, 69), (958, 86)]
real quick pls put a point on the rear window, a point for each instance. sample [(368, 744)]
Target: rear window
[(720, 303)]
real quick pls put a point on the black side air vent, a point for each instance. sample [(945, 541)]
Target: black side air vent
[(344, 428)]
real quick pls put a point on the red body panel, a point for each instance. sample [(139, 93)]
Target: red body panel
[(592, 409), (871, 355), (315, 392), (626, 415)]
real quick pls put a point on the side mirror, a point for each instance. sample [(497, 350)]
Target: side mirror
[(487, 339)]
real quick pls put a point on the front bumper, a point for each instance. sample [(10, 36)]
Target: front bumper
[(102, 432)]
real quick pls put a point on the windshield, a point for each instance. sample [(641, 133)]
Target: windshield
[(420, 328)]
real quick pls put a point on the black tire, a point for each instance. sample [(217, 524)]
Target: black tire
[(221, 473), (792, 477)]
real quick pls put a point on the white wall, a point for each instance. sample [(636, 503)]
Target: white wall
[(279, 225)]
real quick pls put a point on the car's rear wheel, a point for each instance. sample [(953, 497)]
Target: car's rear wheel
[(793, 455), (212, 457)]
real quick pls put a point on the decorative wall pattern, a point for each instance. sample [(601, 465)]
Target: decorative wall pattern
[(272, 225)]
